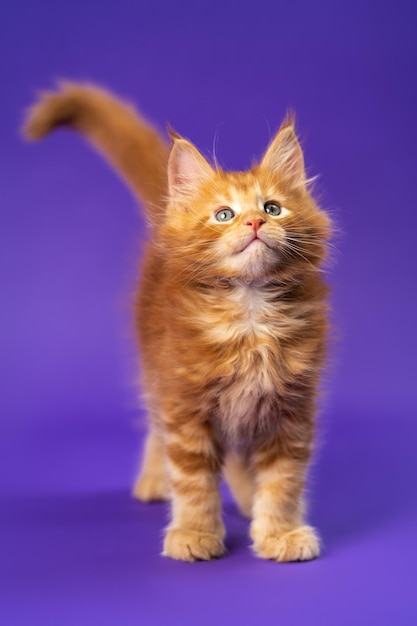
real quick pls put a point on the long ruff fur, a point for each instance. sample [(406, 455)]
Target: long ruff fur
[(232, 320)]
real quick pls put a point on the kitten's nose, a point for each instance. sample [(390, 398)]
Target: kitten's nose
[(255, 222)]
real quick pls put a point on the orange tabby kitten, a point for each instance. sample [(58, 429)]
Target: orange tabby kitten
[(232, 320)]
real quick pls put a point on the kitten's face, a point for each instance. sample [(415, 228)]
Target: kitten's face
[(251, 225)]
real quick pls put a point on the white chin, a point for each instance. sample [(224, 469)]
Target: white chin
[(253, 262)]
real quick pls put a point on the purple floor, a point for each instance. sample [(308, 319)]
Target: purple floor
[(79, 550), (76, 549)]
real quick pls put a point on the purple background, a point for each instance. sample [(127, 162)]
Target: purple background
[(76, 549)]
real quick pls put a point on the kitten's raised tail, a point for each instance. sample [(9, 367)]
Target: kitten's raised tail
[(135, 149)]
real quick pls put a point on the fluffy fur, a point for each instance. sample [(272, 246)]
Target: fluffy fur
[(232, 321)]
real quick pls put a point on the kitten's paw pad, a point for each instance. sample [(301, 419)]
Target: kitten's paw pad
[(300, 544), (190, 545), (151, 488)]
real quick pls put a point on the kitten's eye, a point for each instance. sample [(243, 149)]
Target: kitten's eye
[(272, 208), (224, 215)]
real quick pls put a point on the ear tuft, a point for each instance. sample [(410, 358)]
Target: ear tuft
[(289, 120), (172, 133)]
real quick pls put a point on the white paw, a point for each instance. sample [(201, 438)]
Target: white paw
[(300, 544), (190, 545)]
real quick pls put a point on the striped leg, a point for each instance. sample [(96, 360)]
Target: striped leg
[(278, 530), (196, 531)]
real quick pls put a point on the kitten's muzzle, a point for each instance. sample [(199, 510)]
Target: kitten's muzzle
[(252, 240)]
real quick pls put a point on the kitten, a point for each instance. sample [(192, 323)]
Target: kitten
[(232, 321)]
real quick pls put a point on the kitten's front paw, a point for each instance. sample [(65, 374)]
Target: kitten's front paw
[(300, 544), (190, 545), (151, 488)]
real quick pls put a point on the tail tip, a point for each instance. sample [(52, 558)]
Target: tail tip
[(51, 109), (36, 124)]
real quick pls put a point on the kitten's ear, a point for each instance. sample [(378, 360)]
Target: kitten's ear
[(187, 168), (284, 155)]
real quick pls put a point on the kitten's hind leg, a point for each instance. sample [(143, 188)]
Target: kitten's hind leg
[(152, 485), (241, 482)]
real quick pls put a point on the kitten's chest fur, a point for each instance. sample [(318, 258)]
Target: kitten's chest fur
[(250, 325)]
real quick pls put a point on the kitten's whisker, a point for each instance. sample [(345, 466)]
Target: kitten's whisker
[(296, 251), (304, 250)]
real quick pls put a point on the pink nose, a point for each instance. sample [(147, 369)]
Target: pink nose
[(255, 222)]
